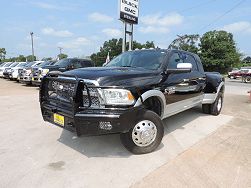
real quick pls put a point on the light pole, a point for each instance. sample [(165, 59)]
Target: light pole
[(60, 51), (32, 46)]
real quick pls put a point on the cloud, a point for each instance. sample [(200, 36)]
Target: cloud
[(56, 33), (157, 23), (75, 43), (151, 29), (242, 26), (166, 20), (50, 6), (98, 17), (112, 32)]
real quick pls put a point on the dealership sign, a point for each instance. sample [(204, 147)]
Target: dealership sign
[(129, 11)]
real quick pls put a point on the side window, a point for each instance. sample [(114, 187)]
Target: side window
[(174, 60), (190, 59), (86, 64), (77, 65)]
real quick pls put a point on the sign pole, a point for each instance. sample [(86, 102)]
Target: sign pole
[(124, 38), (129, 13)]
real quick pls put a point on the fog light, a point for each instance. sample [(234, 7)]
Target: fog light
[(105, 125)]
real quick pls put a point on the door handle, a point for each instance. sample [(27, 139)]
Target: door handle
[(186, 80)]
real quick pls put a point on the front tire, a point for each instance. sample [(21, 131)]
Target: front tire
[(146, 135)]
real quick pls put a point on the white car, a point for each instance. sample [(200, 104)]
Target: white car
[(2, 68), (26, 76), (13, 72)]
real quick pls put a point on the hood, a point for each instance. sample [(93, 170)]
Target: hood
[(118, 76), (51, 67)]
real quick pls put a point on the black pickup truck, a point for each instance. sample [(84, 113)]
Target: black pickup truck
[(131, 95), (62, 65)]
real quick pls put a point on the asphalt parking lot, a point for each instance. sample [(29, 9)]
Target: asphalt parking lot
[(197, 149)]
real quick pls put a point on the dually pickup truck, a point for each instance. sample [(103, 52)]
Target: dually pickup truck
[(131, 95)]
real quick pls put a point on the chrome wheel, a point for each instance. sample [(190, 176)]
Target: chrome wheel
[(144, 133), (219, 105)]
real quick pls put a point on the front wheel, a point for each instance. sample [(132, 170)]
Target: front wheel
[(146, 134)]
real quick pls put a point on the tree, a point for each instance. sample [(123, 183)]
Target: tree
[(62, 56), (186, 42), (218, 51), (2, 54), (20, 58), (114, 47), (247, 60), (30, 58)]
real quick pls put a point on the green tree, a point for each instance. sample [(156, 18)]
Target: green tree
[(186, 42), (2, 54), (114, 47), (247, 60), (62, 56), (218, 51), (30, 58), (20, 58)]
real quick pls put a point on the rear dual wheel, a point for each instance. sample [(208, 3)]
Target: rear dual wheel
[(146, 134), (214, 108), (248, 79)]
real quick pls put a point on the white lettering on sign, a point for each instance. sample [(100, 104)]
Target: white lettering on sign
[(130, 7)]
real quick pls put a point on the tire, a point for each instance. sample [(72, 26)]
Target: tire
[(206, 108), (214, 108), (248, 79), (149, 125)]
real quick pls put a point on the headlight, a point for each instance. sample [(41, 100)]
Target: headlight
[(118, 97), (28, 71), (45, 71)]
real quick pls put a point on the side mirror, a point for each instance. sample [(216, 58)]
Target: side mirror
[(181, 68)]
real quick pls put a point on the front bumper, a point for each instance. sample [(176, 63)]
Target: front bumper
[(36, 80), (6, 74), (25, 80), (94, 122)]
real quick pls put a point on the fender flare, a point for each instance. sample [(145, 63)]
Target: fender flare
[(152, 93)]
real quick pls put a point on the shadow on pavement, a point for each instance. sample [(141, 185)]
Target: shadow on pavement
[(110, 145)]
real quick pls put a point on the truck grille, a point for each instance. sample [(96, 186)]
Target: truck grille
[(94, 96), (61, 91)]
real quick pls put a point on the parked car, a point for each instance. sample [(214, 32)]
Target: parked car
[(234, 73), (246, 76), (131, 95), (62, 66), (7, 71), (25, 73), (6, 66), (39, 71), (13, 72)]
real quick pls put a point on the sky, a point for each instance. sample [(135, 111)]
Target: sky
[(80, 27)]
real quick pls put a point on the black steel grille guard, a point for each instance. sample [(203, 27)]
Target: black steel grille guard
[(79, 82)]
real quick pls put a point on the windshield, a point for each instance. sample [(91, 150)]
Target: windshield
[(21, 65), (7, 64), (44, 64), (2, 65), (62, 63), (36, 65), (14, 64), (147, 59), (29, 64)]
